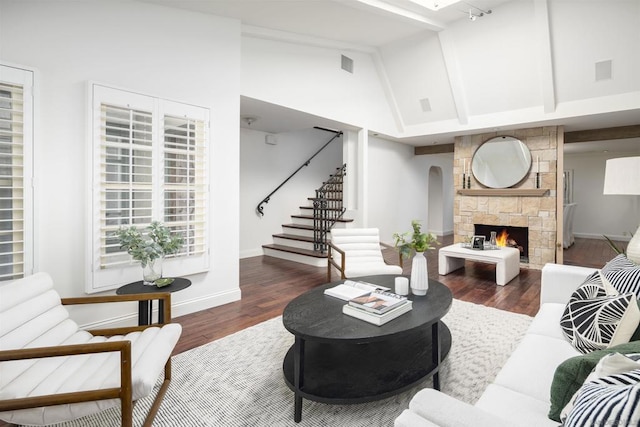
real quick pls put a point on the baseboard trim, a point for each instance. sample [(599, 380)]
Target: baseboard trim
[(601, 237), (251, 253), (177, 309)]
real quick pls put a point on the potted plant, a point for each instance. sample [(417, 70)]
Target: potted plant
[(149, 248), (419, 243)]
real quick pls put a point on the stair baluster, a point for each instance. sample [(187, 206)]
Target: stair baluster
[(327, 208)]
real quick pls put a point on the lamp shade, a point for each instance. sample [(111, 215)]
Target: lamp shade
[(622, 176)]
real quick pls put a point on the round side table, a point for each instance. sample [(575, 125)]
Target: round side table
[(145, 308)]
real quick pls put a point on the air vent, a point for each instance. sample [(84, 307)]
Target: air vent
[(425, 105), (603, 70), (347, 64)]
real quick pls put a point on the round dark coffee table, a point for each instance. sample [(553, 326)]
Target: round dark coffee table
[(339, 359)]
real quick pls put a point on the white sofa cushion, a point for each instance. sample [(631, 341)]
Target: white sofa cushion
[(409, 418), (437, 407), (547, 321), (520, 409), (530, 368)]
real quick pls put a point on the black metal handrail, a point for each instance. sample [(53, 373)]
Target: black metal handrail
[(327, 208), (260, 208)]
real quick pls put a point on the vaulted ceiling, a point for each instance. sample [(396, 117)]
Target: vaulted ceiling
[(515, 63)]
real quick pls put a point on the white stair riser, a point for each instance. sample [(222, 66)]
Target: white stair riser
[(297, 231), (293, 243), (316, 262), (302, 221)]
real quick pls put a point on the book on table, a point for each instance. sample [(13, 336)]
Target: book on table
[(351, 289), (378, 301), (377, 319)]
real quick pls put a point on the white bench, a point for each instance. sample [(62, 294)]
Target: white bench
[(507, 260)]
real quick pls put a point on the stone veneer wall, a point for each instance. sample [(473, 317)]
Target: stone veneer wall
[(537, 213)]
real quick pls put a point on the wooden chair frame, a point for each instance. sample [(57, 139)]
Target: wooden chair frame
[(332, 262), (124, 392)]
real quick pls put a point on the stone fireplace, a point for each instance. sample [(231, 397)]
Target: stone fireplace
[(519, 206)]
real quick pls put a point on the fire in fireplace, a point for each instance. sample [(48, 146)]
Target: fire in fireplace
[(512, 236)]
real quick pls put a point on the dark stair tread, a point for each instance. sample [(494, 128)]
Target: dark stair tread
[(334, 199), (299, 226), (311, 217), (290, 249), (310, 227), (325, 209)]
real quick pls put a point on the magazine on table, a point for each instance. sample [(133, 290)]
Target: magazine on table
[(351, 289), (377, 319), (378, 301)]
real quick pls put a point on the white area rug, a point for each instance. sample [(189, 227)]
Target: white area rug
[(238, 381)]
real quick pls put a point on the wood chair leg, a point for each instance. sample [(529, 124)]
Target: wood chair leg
[(153, 411)]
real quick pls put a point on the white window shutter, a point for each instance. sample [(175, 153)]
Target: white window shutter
[(149, 164), (16, 225)]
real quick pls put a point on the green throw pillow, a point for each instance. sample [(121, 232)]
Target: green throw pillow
[(571, 373)]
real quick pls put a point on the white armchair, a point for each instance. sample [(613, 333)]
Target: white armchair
[(51, 371), (356, 252)]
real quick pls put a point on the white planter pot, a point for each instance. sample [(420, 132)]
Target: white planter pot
[(419, 275)]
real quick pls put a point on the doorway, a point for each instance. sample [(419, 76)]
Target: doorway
[(435, 201)]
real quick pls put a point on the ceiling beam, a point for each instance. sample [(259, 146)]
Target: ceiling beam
[(545, 58), (434, 149), (456, 83), (621, 132)]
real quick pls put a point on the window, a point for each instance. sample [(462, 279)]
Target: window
[(149, 164), (16, 195)]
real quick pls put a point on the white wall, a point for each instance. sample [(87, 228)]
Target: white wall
[(310, 79), (168, 53), (398, 188), (264, 167), (596, 213)]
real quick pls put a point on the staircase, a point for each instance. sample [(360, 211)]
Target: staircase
[(300, 241)]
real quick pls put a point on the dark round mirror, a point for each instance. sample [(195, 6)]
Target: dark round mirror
[(501, 162)]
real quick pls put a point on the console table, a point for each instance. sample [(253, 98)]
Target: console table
[(339, 359), (507, 260)]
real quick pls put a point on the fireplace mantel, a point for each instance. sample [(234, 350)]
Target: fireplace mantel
[(535, 192)]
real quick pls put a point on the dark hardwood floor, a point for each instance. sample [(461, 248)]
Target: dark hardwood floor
[(268, 284)]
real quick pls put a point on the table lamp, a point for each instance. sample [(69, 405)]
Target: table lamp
[(622, 176)]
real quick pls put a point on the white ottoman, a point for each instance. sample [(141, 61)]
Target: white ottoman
[(507, 260)]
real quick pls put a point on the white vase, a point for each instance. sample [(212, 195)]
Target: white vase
[(419, 274), (152, 271)]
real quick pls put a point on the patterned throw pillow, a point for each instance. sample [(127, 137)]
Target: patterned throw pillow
[(594, 319), (608, 401), (623, 274), (571, 374), (611, 364)]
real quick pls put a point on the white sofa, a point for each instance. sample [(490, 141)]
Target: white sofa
[(519, 395)]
